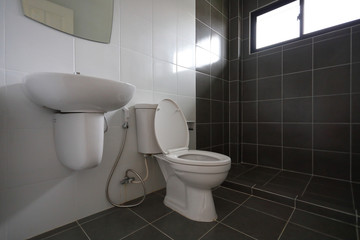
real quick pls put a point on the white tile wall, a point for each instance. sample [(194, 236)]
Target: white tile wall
[(2, 34), (36, 192)]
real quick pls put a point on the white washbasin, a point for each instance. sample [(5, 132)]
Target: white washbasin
[(77, 93)]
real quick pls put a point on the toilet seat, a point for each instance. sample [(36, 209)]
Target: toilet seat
[(198, 158)]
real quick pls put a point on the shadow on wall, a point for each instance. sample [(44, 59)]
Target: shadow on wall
[(37, 193)]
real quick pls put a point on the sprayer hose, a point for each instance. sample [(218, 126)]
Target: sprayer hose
[(129, 170)]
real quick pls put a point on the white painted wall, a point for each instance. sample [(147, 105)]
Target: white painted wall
[(152, 47)]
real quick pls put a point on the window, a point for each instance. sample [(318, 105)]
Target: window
[(289, 20)]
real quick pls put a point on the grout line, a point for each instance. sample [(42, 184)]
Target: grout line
[(302, 194), (312, 111), (282, 108), (286, 223), (135, 231), (316, 231), (351, 96), (357, 224), (217, 223), (83, 230), (227, 200), (272, 178), (238, 231)]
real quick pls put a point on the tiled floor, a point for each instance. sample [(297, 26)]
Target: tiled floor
[(240, 216), (333, 198)]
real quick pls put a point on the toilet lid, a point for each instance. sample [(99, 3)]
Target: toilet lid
[(171, 130)]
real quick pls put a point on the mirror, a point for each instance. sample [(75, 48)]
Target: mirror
[(88, 19)]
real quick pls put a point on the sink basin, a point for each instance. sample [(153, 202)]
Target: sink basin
[(77, 93)]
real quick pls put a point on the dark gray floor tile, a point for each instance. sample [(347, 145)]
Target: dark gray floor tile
[(231, 195), (148, 232), (256, 224), (356, 192), (288, 184), (152, 208), (258, 176), (295, 232), (223, 207), (324, 225), (221, 232), (238, 169), (72, 234), (178, 227), (113, 226), (55, 231), (329, 193), (269, 207)]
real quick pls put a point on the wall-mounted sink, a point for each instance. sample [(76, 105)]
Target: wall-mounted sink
[(81, 102), (77, 93)]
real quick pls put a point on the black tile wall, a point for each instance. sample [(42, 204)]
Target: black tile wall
[(297, 102), (213, 111), (300, 101)]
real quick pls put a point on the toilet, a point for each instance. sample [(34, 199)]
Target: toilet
[(189, 174)]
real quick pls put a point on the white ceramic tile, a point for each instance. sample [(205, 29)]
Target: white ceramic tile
[(2, 34), (187, 6), (32, 47), (164, 30), (165, 77), (186, 53), (186, 26), (141, 8), (141, 96), (22, 113), (186, 82), (38, 208), (136, 68), (115, 32), (158, 96), (97, 59), (37, 160), (136, 31), (187, 105)]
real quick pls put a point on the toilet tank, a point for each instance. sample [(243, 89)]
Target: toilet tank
[(145, 132)]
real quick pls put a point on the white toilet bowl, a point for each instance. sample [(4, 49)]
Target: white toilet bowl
[(189, 174)]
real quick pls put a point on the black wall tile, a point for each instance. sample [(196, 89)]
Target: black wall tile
[(202, 111), (234, 72), (202, 85), (234, 28), (270, 156), (249, 153), (298, 59), (217, 4), (217, 90), (234, 91), (249, 90), (332, 109), (234, 133), (203, 130), (248, 5), (235, 49), (298, 85), (269, 133), (269, 88), (298, 135), (217, 20), (356, 138), (332, 164), (217, 111), (298, 110), (269, 65), (355, 75), (332, 137), (217, 134), (328, 53), (249, 133), (356, 46), (355, 167), (269, 111), (355, 108), (245, 29), (234, 112), (299, 160), (332, 80), (249, 69), (203, 35), (203, 9), (233, 8), (249, 111)]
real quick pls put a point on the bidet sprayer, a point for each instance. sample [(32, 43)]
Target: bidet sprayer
[(126, 117)]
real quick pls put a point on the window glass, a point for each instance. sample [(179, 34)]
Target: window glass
[(278, 25), (321, 14)]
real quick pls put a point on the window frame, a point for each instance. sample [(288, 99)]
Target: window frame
[(277, 4)]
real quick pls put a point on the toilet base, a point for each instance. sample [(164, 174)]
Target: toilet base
[(198, 204)]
